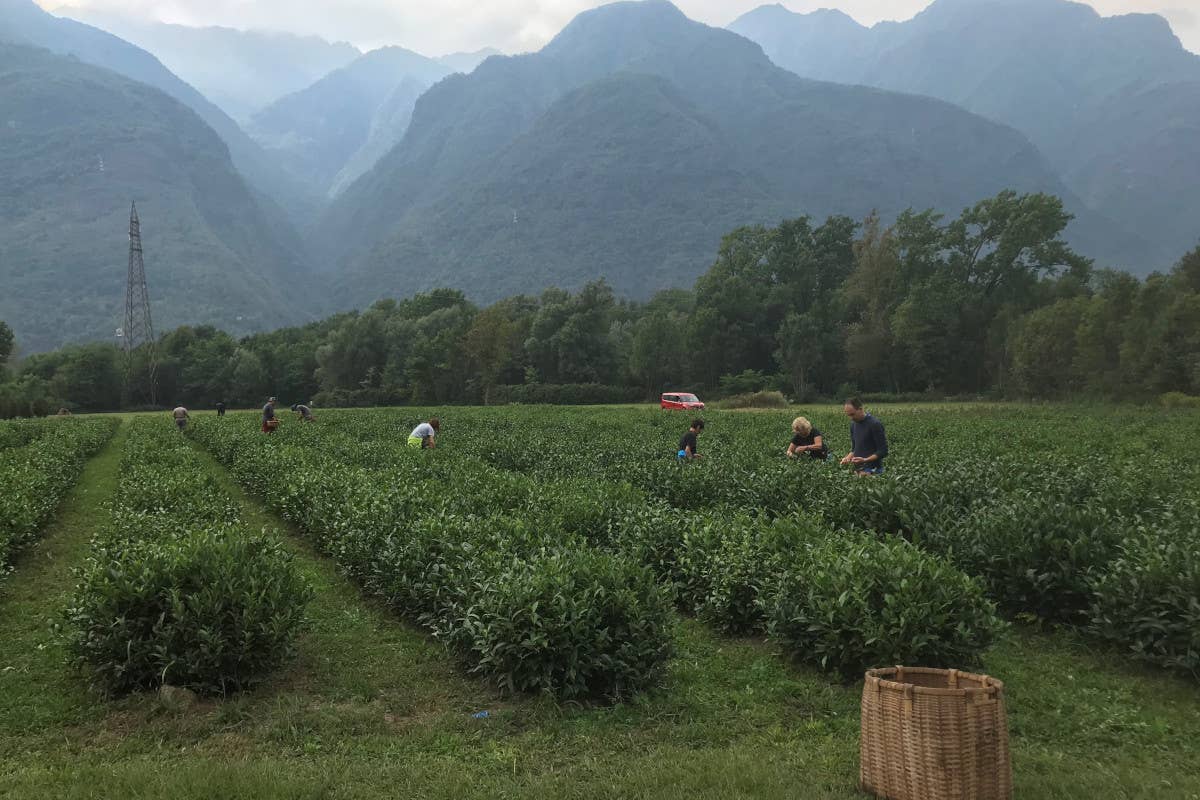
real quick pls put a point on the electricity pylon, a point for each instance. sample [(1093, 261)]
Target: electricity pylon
[(138, 330)]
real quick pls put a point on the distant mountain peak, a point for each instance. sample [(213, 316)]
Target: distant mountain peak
[(635, 19)]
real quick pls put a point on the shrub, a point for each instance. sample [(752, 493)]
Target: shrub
[(853, 602), (212, 611), (576, 623), (651, 535), (1178, 400), (1034, 555), (36, 476), (755, 400), (1147, 602), (730, 561)]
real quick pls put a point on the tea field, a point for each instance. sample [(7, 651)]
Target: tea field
[(549, 604)]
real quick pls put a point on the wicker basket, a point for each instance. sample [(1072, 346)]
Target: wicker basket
[(934, 734)]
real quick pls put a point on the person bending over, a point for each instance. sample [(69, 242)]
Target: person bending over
[(807, 440), (689, 442), (869, 440), (269, 423), (425, 435), (304, 411)]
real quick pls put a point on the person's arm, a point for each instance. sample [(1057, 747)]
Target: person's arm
[(792, 450), (818, 443), (881, 442), (879, 439)]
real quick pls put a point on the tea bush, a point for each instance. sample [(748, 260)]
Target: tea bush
[(1147, 601), (575, 623), (1035, 556), (852, 603), (730, 561), (42, 463), (176, 590), (213, 610)]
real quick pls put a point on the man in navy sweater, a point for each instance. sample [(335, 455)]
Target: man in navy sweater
[(868, 438)]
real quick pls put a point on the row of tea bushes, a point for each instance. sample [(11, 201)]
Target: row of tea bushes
[(1118, 558), (39, 470), (177, 590), (20, 432), (521, 606), (739, 572), (842, 600), (1066, 529), (1040, 520)]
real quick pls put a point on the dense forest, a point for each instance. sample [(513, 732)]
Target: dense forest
[(992, 303)]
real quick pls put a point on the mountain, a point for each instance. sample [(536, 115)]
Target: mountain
[(1113, 102), (77, 144), (627, 147), (467, 62), (240, 71), (335, 130), (22, 22)]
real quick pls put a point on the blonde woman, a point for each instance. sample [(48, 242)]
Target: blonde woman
[(807, 439)]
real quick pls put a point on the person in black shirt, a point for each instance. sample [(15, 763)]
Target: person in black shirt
[(221, 409), (807, 439), (870, 446), (687, 445)]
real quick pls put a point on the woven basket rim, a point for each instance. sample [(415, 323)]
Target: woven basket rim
[(988, 684)]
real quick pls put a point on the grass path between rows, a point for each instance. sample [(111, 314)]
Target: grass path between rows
[(373, 708)]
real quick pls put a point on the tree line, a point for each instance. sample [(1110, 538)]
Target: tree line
[(990, 303)]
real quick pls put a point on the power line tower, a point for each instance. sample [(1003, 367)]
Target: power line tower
[(139, 330)]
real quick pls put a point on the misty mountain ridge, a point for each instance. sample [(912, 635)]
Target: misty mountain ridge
[(1113, 102), (527, 172), (77, 142), (625, 148), (23, 22), (240, 71), (354, 114), (467, 62)]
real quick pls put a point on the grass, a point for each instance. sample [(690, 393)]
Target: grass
[(372, 707)]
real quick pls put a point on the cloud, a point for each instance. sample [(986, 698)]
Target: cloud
[(440, 26)]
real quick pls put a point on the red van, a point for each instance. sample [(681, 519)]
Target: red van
[(682, 401)]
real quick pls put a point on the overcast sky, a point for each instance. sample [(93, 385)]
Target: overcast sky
[(435, 27)]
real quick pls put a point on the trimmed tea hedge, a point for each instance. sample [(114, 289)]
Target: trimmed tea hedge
[(42, 463), (176, 589)]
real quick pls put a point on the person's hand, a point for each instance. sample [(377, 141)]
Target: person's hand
[(846, 460), (858, 460)]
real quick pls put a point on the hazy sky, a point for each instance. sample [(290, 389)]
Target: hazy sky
[(434, 27)]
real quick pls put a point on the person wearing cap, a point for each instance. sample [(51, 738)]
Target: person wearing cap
[(304, 411), (424, 436), (269, 423)]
